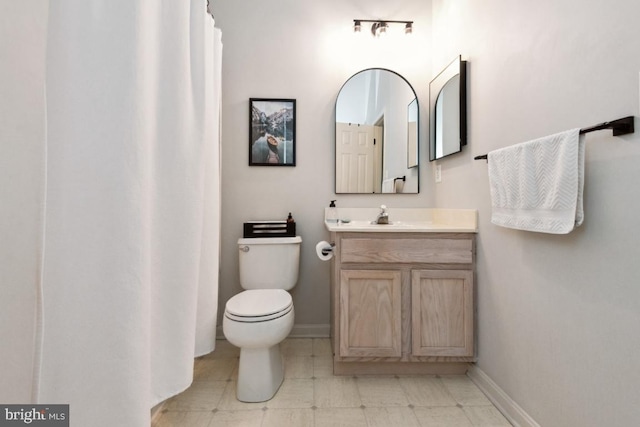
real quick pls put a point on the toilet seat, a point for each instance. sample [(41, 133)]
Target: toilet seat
[(258, 305)]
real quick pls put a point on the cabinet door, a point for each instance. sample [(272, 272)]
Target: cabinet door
[(442, 312), (370, 313)]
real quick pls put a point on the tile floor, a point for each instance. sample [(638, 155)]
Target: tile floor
[(311, 396)]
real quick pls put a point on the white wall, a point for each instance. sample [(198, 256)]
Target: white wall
[(558, 315), (305, 50)]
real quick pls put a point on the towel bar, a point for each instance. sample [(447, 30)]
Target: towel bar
[(621, 126)]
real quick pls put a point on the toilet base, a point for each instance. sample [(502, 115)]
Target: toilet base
[(260, 373)]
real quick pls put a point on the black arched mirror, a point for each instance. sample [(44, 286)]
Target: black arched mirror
[(376, 141), (448, 111)]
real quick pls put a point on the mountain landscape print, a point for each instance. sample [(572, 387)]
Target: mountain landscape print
[(272, 132)]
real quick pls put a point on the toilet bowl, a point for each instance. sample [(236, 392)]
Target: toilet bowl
[(257, 321), (259, 318)]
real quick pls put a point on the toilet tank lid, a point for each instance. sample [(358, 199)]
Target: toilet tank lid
[(269, 240)]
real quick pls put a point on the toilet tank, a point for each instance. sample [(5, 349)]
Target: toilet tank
[(269, 262)]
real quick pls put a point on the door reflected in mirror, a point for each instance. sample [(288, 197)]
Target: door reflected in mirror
[(448, 117), (377, 140)]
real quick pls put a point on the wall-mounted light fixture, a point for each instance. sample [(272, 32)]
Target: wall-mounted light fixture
[(379, 27)]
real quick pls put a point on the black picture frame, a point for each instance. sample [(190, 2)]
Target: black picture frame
[(272, 132)]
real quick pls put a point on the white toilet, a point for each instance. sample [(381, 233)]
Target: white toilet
[(259, 318)]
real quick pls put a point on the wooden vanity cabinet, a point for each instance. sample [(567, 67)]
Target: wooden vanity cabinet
[(402, 302)]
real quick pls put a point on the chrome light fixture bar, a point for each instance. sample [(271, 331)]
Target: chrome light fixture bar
[(379, 27)]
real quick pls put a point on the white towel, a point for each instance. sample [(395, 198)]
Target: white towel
[(537, 185), (398, 185), (388, 186)]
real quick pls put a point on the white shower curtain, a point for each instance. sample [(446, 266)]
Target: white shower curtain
[(129, 206)]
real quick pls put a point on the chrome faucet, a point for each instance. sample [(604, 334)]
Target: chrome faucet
[(383, 216)]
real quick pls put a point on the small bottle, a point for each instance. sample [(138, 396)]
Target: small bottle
[(332, 212), (291, 225)]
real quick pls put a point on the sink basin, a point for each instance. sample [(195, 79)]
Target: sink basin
[(416, 220)]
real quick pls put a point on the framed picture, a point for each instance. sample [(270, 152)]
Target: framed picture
[(272, 132)]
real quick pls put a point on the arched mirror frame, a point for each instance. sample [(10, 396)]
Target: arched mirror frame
[(453, 125), (407, 181)]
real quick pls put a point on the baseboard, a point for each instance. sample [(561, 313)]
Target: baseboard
[(298, 331), (509, 408)]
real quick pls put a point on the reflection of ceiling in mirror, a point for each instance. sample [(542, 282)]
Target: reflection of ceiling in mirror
[(368, 93)]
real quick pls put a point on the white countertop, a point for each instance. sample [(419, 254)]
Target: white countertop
[(407, 220)]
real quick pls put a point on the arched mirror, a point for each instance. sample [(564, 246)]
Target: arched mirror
[(448, 106), (376, 142)]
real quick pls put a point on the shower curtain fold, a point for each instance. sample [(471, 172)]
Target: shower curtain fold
[(131, 206)]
